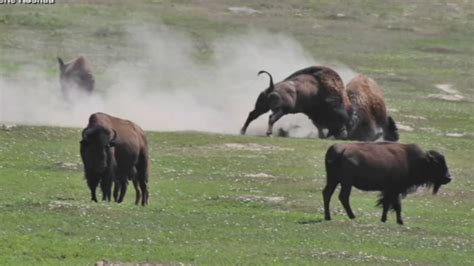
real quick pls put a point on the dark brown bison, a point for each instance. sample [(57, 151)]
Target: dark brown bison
[(369, 120), (115, 150), (392, 168), (76, 78), (316, 91)]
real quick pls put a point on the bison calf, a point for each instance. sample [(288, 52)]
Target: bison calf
[(115, 150), (392, 168), (369, 119), (317, 91)]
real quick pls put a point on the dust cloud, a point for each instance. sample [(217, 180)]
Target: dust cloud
[(164, 87)]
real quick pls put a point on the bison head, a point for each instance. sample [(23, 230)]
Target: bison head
[(96, 148), (437, 170), (339, 118)]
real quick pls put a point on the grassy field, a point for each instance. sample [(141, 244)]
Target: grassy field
[(224, 199)]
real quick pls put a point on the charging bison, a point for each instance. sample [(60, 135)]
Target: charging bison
[(76, 78), (369, 120), (392, 168), (115, 150), (316, 91)]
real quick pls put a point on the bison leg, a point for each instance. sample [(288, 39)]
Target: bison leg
[(397, 205), (386, 201), (106, 187), (327, 194), (142, 177), (321, 133), (272, 119), (252, 116), (344, 198), (386, 207), (93, 183), (137, 191), (116, 190), (123, 189)]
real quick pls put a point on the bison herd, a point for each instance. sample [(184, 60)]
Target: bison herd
[(114, 150)]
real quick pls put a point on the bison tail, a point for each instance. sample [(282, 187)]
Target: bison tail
[(333, 163), (382, 199), (391, 130)]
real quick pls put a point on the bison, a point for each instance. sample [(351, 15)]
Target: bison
[(369, 120), (76, 78), (115, 150), (316, 91), (392, 168)]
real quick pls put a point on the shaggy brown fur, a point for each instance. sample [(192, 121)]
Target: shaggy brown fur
[(115, 149), (369, 119), (76, 77), (393, 169), (315, 91)]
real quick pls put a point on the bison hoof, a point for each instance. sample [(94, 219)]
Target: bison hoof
[(242, 132), (400, 222)]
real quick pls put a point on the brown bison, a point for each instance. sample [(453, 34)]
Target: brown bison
[(115, 150), (76, 78), (369, 120), (392, 168), (316, 91)]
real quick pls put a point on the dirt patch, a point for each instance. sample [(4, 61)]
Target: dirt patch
[(404, 127), (261, 199), (259, 175), (253, 147), (243, 10), (455, 135), (449, 93), (415, 117), (69, 166), (252, 198), (447, 97)]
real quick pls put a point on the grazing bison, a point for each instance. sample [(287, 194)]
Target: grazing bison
[(315, 91), (369, 120), (115, 150), (76, 78), (392, 168)]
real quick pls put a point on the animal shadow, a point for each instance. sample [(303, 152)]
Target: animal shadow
[(310, 221)]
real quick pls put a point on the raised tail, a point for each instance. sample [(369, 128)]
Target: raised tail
[(390, 132)]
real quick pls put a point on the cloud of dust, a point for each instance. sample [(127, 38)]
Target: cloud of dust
[(163, 87)]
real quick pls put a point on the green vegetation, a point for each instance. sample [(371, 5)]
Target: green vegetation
[(220, 199)]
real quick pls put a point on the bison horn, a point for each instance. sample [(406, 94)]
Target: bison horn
[(271, 78), (114, 136), (61, 64), (84, 134)]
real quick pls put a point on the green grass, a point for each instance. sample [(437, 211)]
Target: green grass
[(208, 205), (220, 199)]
